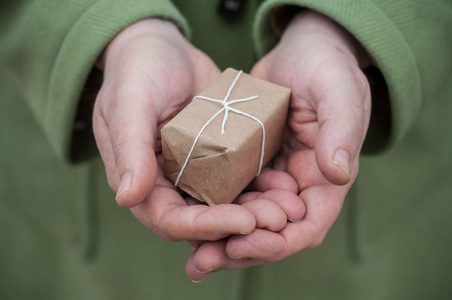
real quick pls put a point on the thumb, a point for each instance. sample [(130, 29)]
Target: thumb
[(132, 125), (343, 112)]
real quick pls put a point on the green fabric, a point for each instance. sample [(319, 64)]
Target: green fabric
[(398, 211), (50, 46), (229, 43), (407, 40), (63, 236)]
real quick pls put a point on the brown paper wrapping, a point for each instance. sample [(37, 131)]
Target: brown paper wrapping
[(221, 166)]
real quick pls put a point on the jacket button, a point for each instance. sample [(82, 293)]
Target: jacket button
[(231, 9)]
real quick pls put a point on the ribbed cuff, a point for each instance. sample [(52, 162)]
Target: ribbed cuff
[(378, 34), (84, 42)]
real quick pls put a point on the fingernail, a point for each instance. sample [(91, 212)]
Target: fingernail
[(342, 159), (197, 281), (243, 232), (238, 257), (125, 184), (208, 271), (294, 221)]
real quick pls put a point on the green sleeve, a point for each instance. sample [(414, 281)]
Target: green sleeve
[(50, 46), (409, 42)]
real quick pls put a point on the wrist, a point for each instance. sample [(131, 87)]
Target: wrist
[(310, 23), (148, 27)]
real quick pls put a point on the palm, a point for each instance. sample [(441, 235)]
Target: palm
[(313, 69), (151, 72), (329, 114)]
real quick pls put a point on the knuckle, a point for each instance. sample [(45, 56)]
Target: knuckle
[(102, 98), (362, 83), (161, 232), (315, 244), (280, 254), (154, 220), (162, 226), (317, 241), (120, 151), (166, 237)]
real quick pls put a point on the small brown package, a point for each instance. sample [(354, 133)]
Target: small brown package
[(220, 165)]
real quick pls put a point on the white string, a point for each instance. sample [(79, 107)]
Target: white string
[(226, 109)]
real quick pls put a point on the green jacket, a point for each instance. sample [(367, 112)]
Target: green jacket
[(62, 236)]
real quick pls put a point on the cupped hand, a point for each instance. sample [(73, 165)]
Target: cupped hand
[(150, 73), (327, 123)]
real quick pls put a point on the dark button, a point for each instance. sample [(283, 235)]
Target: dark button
[(231, 9)]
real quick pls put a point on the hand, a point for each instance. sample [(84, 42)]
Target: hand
[(328, 119), (150, 73)]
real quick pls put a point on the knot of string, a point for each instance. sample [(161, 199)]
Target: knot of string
[(226, 108)]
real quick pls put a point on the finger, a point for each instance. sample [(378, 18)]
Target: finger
[(343, 114), (267, 213), (246, 197), (166, 213), (323, 203), (261, 245), (102, 137), (212, 257), (272, 179), (303, 167), (208, 257), (132, 123), (194, 243), (291, 205), (191, 271)]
